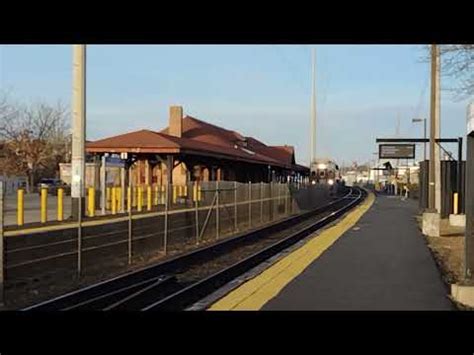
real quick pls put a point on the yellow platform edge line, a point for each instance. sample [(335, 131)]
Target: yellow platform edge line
[(256, 292)]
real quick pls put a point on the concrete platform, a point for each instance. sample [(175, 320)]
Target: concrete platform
[(382, 263), (375, 258), (457, 220)]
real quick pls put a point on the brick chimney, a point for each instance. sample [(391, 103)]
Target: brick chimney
[(176, 121)]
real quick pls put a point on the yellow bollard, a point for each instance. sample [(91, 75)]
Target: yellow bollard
[(134, 196), (148, 191), (118, 195), (185, 190), (195, 191), (162, 194), (20, 215), (455, 203), (129, 198), (175, 190), (140, 199), (199, 193), (155, 200), (107, 198), (114, 200), (44, 205), (91, 202), (60, 204)]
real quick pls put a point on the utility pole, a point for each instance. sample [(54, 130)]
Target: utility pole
[(434, 188), (414, 120), (424, 136), (79, 129), (312, 155)]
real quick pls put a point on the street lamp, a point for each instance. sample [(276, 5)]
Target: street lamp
[(415, 120)]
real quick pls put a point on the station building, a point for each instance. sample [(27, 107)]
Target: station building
[(194, 150)]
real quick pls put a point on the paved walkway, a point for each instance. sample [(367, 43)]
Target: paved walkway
[(382, 263)]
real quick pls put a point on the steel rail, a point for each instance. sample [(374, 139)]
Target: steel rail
[(196, 291)]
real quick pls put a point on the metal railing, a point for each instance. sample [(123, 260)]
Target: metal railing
[(142, 222)]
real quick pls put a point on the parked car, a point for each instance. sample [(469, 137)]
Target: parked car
[(53, 185)]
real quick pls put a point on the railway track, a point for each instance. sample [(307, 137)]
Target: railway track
[(181, 281)]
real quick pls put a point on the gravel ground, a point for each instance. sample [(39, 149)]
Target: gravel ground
[(448, 251)]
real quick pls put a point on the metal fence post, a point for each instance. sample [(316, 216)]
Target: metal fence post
[(279, 197), (250, 204), (2, 251), (103, 198), (261, 202), (122, 189), (165, 236), (129, 210), (196, 207), (271, 207), (217, 209), (235, 205)]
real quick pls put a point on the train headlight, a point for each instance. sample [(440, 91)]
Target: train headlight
[(313, 182), (331, 182)]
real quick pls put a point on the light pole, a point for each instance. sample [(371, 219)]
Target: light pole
[(415, 120)]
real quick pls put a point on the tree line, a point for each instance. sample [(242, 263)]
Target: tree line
[(34, 139)]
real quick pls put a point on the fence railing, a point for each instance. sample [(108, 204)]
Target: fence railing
[(139, 224), (55, 206)]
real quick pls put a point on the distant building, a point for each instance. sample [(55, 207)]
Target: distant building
[(11, 182), (92, 173), (194, 150)]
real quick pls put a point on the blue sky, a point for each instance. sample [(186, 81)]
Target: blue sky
[(262, 91)]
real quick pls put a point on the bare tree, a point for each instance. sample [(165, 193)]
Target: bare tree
[(458, 63), (35, 139)]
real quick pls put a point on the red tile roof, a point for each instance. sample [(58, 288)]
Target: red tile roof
[(198, 137)]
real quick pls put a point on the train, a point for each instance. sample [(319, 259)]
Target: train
[(324, 171)]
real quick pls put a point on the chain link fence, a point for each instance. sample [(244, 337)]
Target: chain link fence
[(149, 223)]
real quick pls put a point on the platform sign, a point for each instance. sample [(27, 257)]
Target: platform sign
[(396, 151)]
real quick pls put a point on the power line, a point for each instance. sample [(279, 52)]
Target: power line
[(420, 100)]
